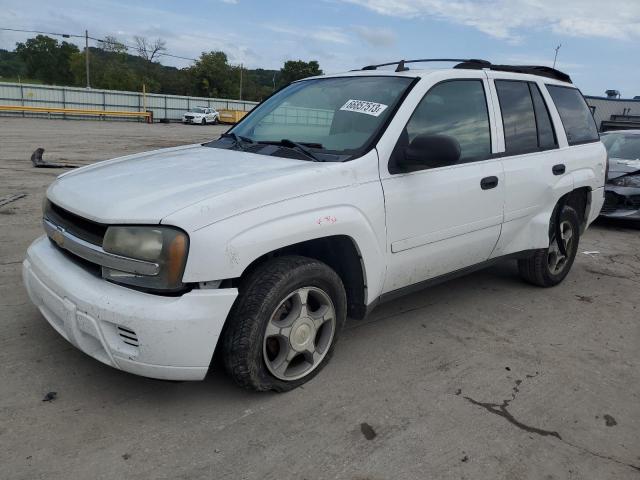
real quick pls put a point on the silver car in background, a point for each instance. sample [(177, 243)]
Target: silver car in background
[(622, 190)]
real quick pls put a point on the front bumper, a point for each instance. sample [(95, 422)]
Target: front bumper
[(621, 202), (171, 338)]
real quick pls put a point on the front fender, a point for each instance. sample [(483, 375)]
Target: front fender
[(225, 249)]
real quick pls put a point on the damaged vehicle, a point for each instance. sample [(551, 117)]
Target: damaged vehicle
[(335, 194), (622, 190)]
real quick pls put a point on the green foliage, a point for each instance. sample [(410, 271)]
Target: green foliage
[(212, 76), (298, 69), (47, 59), (11, 65)]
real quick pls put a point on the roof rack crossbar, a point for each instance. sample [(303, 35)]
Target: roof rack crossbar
[(402, 68), (480, 64)]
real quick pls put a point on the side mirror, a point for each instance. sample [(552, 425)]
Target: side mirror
[(431, 151)]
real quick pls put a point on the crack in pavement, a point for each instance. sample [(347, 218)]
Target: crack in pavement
[(500, 409)]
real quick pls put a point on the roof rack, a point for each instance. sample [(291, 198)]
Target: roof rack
[(476, 64), (402, 68)]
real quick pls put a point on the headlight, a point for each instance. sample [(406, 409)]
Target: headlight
[(626, 181), (167, 247)]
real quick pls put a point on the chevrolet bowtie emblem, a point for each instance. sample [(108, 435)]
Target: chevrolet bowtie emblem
[(58, 237)]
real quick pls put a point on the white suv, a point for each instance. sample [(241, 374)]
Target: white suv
[(334, 194)]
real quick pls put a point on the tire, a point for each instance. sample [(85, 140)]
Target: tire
[(216, 121), (547, 267), (269, 343), (204, 121)]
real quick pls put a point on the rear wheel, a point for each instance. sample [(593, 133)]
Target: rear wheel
[(549, 266), (284, 325)]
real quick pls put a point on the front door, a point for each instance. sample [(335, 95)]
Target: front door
[(443, 219)]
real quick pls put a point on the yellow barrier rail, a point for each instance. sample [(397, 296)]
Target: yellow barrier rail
[(77, 111)]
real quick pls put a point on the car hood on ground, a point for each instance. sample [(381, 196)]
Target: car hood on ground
[(619, 167), (147, 187)]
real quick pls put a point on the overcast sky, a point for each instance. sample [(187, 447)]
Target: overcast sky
[(599, 39)]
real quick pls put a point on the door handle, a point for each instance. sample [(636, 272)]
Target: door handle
[(488, 182), (559, 169)]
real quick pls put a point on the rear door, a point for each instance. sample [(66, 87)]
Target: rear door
[(533, 166), (442, 219)]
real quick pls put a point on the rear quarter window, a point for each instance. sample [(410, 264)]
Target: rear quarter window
[(576, 117)]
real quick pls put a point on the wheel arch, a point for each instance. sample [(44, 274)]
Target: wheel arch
[(341, 253), (580, 200)]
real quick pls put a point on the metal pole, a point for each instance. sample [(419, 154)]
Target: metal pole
[(240, 81), (86, 55)]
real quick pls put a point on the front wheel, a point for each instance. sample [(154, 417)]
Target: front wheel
[(284, 325), (549, 266), (204, 121)]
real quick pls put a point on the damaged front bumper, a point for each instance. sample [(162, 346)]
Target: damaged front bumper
[(170, 338), (621, 202)]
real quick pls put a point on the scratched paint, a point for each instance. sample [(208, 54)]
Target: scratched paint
[(326, 220)]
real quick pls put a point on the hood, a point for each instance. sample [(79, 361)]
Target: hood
[(619, 167), (147, 187), (195, 114)]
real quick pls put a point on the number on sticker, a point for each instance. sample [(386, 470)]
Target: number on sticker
[(362, 106)]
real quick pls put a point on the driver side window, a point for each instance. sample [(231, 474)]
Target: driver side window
[(458, 109)]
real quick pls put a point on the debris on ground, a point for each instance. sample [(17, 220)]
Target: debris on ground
[(609, 420), (368, 431), (50, 397), (590, 253), (38, 162), (11, 198)]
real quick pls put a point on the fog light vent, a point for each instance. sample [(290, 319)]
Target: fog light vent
[(128, 336)]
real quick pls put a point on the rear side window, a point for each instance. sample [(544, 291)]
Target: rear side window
[(546, 133), (577, 120), (518, 117)]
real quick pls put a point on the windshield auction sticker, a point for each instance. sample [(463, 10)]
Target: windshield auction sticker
[(362, 106)]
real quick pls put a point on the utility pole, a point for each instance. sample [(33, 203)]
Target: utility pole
[(240, 81), (86, 55), (556, 56)]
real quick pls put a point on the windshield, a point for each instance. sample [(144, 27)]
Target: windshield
[(340, 115), (624, 146), (197, 110)]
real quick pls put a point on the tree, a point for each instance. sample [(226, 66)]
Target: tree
[(113, 45), (212, 76), (150, 50), (110, 67), (298, 69), (46, 59), (11, 65)]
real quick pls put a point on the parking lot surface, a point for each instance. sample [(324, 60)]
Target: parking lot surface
[(483, 377)]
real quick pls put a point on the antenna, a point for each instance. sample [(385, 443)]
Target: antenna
[(556, 55)]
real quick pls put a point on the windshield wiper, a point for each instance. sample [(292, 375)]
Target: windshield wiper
[(300, 147), (238, 139)]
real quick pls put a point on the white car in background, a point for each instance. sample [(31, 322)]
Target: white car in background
[(201, 116)]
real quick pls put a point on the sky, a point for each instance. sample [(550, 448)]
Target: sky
[(599, 40)]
